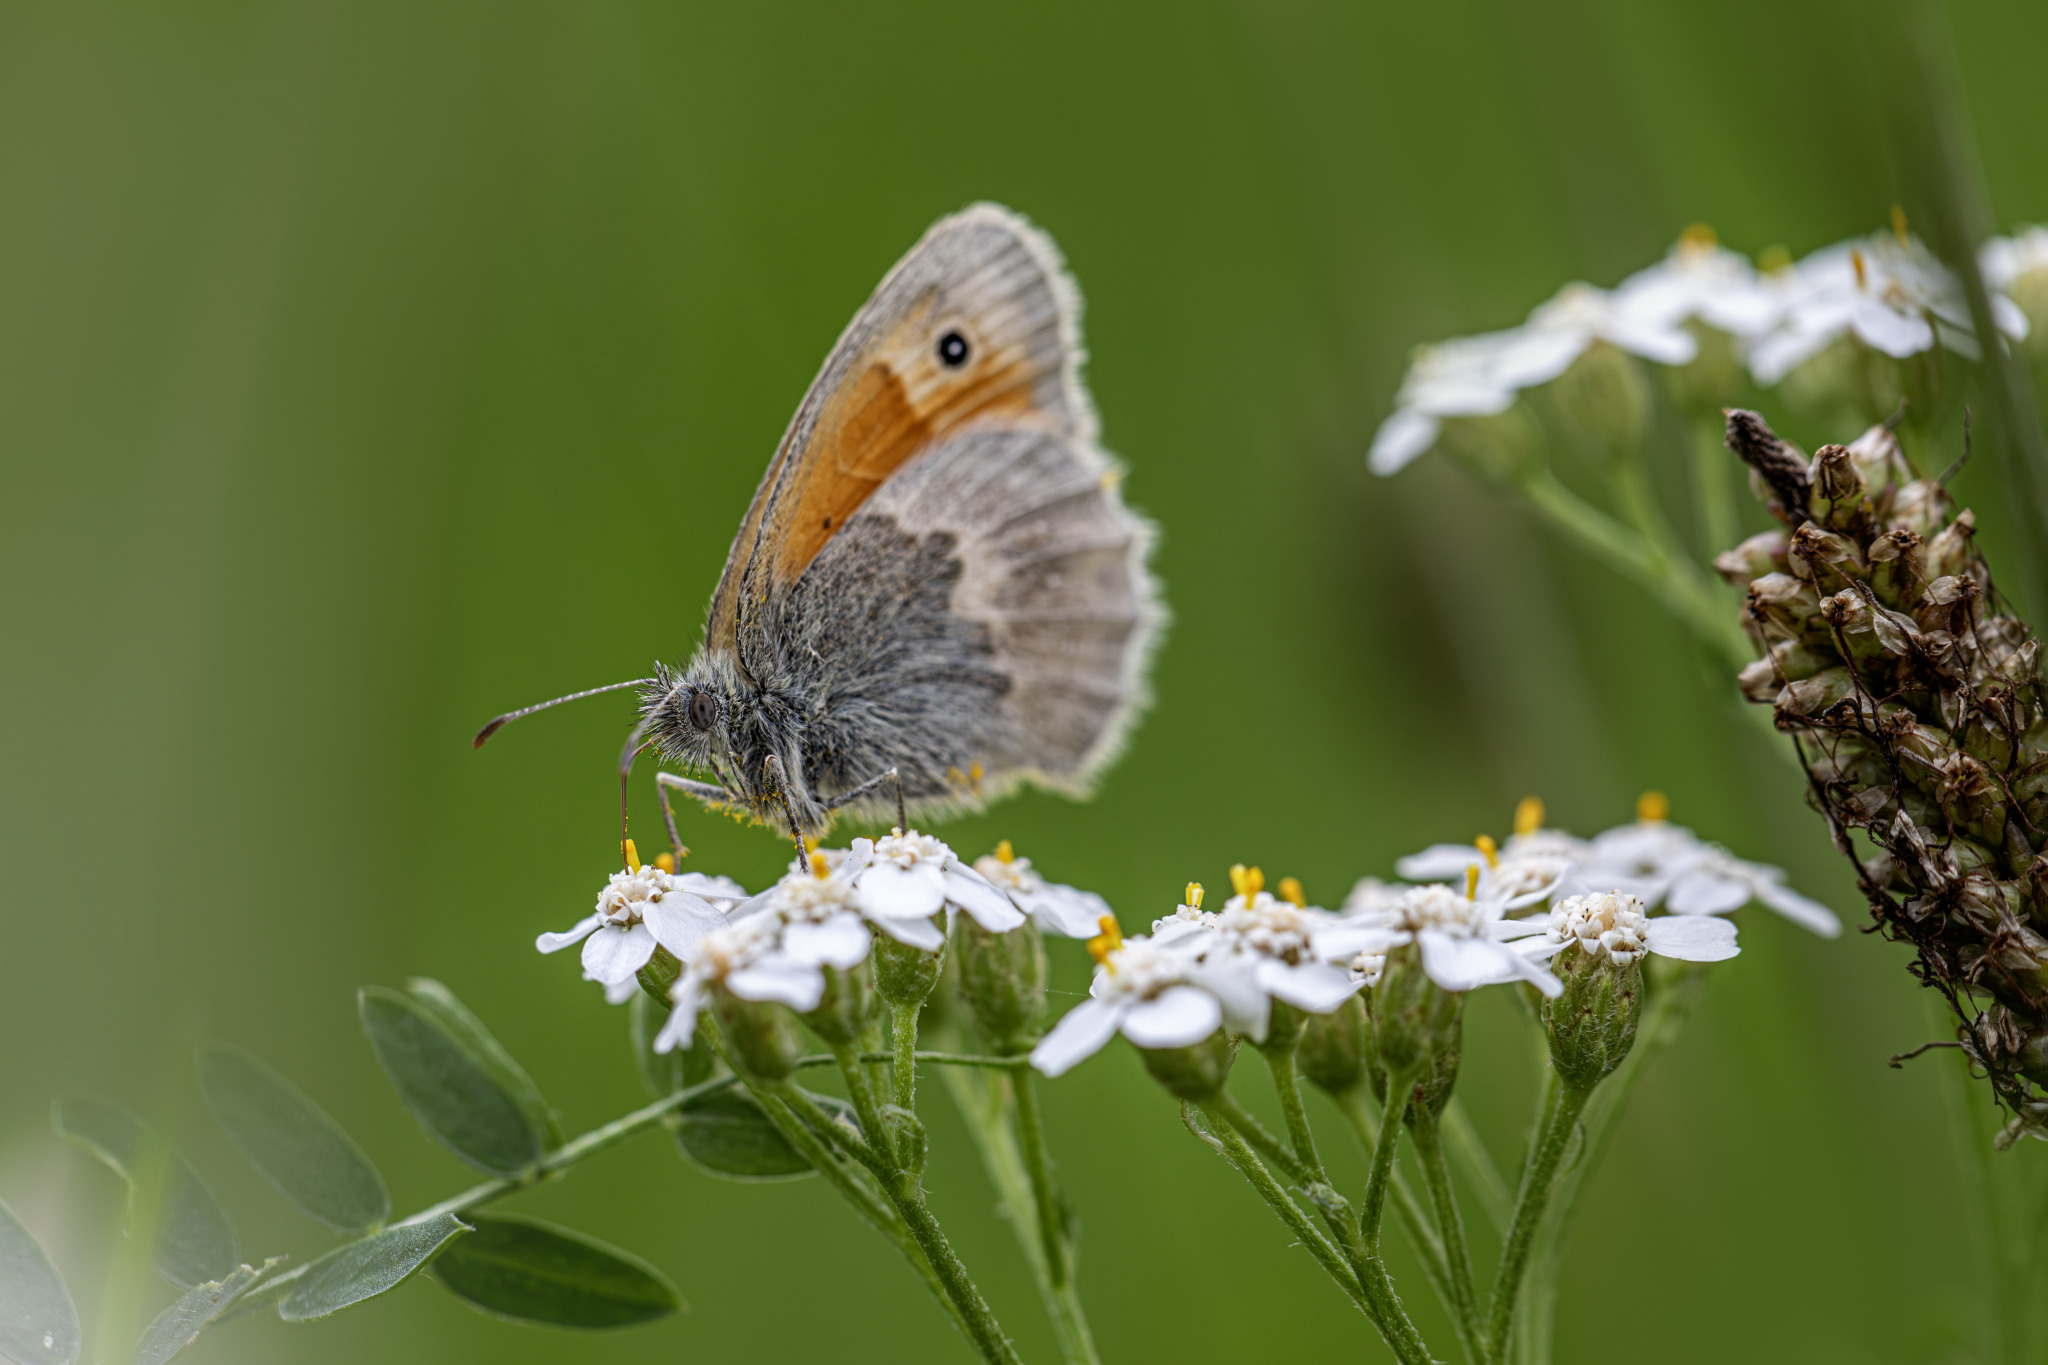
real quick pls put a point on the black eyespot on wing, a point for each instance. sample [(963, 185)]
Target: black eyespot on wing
[(953, 350), (703, 710)]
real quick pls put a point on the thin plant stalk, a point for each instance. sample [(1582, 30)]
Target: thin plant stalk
[(1451, 1227), (1562, 1105), (1357, 1111)]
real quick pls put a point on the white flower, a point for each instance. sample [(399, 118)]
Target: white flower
[(1700, 279), (1663, 863), (1478, 376), (1262, 942), (775, 949), (1463, 941), (2007, 260), (1613, 924), (723, 892), (1056, 909), (1365, 969), (639, 909), (905, 879), (1535, 864), (1156, 995), (1887, 290)]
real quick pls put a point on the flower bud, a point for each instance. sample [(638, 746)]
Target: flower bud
[(1605, 397), (1002, 979), (1838, 493), (1196, 1072), (1501, 448), (905, 976), (1433, 1088), (1335, 1048), (1593, 1024), (1715, 372), (660, 974), (1413, 1018), (1762, 553), (762, 1036), (846, 1007)]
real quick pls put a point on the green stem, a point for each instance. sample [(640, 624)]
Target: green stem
[(903, 1068), (1463, 1142), (1400, 1090), (1352, 1104), (1562, 1106), (1287, 1084), (1451, 1226), (983, 1103), (1714, 510), (1254, 1132)]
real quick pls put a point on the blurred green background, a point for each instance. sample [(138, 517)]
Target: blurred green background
[(369, 368)]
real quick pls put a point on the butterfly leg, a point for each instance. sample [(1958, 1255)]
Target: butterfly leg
[(703, 791), (846, 797)]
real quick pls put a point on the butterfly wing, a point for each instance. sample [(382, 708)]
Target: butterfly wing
[(938, 561)]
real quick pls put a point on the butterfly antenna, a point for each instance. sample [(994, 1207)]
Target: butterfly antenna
[(500, 722), (627, 754)]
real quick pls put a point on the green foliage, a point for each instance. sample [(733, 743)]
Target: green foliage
[(194, 1242), (38, 1324), (179, 1325), (530, 1271), (461, 1085), (291, 1140), (362, 1270), (726, 1134)]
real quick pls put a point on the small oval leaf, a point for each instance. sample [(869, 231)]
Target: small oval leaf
[(180, 1325), (194, 1242), (727, 1135), (454, 1093), (38, 1324), (362, 1270), (484, 1045), (291, 1140), (530, 1271), (664, 1073)]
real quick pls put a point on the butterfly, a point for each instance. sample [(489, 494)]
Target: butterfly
[(937, 593)]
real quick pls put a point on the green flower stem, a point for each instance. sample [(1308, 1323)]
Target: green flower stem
[(903, 1068), (1712, 498), (983, 1101), (894, 1171), (1287, 1084), (1685, 591), (1400, 1089), (1451, 1225), (1562, 1105), (1254, 1132), (1357, 1110), (1462, 1140)]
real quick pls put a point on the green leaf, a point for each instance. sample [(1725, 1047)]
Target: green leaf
[(530, 1271), (38, 1324), (727, 1135), (202, 1305), (457, 1095), (362, 1270), (664, 1073), (194, 1241), (456, 1018), (291, 1140)]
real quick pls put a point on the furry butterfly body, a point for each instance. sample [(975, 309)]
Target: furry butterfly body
[(937, 579)]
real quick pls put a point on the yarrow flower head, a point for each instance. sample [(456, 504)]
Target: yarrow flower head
[(1887, 290), (1464, 939), (906, 878), (1158, 995), (1266, 939), (1053, 908), (639, 910), (1615, 926), (1664, 864), (1536, 863), (1701, 279)]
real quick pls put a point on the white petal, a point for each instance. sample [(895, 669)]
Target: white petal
[(1508, 929), (753, 905), (682, 1018), (1537, 976), (841, 941), (1541, 949), (1807, 914), (619, 992), (1894, 333), (1316, 987), (554, 943), (1665, 345), (1065, 910), (1402, 439), (1691, 938), (1440, 863), (2009, 318), (1178, 1017), (615, 954), (1234, 982), (1167, 931), (1462, 964), (1702, 891), (795, 984), (991, 909), (888, 891), (1078, 1035), (1340, 942), (680, 919), (918, 933), (720, 888), (1538, 356)]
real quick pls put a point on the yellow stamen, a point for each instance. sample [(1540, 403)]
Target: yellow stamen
[(1247, 881), (818, 867), (1108, 941), (632, 857), (1698, 237), (1290, 891), (665, 861), (1529, 815), (1773, 259), (1653, 808), (1856, 259), (810, 843), (1472, 882), (1489, 849), (1004, 853), (1899, 224), (1193, 896)]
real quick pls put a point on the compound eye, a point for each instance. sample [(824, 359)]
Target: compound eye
[(703, 710), (953, 350)]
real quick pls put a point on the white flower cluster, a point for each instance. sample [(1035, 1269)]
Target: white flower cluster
[(1886, 290)]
